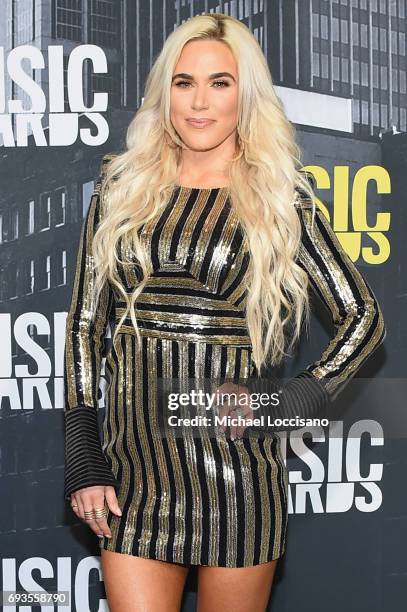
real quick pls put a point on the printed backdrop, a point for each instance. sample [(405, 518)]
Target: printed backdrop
[(71, 78)]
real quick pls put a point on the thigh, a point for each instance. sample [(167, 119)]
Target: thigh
[(246, 589), (135, 584)]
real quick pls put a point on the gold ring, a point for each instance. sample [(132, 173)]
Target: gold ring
[(100, 513)]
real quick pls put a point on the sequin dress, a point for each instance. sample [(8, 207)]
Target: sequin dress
[(202, 500)]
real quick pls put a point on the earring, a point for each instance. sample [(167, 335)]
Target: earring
[(241, 148)]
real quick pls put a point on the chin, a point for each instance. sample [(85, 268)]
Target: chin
[(200, 144)]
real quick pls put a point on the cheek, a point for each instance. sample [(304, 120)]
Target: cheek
[(228, 110), (176, 104), (228, 103)]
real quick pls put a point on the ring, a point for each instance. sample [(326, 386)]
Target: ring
[(100, 513)]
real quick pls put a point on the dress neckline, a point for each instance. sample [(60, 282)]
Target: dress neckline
[(188, 188)]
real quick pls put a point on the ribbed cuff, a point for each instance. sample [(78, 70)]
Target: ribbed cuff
[(85, 463), (303, 396)]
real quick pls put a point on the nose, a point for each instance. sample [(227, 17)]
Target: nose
[(199, 99)]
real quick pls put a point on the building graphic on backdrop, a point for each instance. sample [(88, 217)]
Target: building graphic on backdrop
[(354, 49), (347, 57), (350, 48)]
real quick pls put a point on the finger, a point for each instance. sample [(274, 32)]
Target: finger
[(101, 526), (80, 507), (92, 524), (75, 505), (234, 430), (225, 389), (246, 411), (89, 512), (233, 427), (90, 520), (241, 427), (249, 415), (239, 413), (240, 431), (223, 412), (228, 406), (111, 500), (216, 405), (98, 529)]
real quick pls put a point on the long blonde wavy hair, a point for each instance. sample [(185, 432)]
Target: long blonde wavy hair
[(263, 177)]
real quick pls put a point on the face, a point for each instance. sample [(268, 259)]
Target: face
[(205, 86)]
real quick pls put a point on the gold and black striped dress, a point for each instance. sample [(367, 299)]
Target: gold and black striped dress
[(207, 499)]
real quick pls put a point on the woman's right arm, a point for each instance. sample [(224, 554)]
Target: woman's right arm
[(85, 462)]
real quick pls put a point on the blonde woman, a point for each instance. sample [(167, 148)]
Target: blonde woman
[(201, 241)]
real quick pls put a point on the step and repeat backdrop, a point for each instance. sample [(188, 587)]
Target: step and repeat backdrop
[(71, 78)]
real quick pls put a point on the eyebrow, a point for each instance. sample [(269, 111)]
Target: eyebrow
[(215, 75)]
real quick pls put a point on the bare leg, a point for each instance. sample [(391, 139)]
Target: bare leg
[(135, 584), (246, 589)]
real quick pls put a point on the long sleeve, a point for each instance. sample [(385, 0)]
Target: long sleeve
[(356, 316), (85, 463)]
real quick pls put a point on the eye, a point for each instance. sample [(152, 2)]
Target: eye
[(179, 83), (223, 83)]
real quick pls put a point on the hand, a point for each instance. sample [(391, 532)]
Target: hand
[(240, 408), (92, 498)]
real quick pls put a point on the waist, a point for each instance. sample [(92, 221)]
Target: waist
[(219, 327)]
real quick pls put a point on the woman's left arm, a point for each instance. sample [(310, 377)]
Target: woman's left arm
[(355, 311), (356, 315)]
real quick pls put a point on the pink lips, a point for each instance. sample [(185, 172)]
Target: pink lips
[(199, 123)]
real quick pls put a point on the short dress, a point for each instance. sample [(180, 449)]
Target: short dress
[(193, 499)]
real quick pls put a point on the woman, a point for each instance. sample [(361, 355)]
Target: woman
[(201, 238)]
